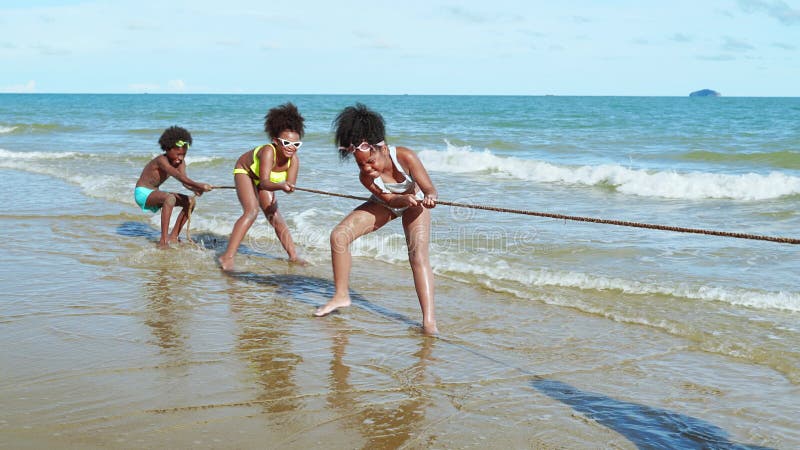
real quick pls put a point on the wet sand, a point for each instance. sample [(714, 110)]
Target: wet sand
[(110, 343)]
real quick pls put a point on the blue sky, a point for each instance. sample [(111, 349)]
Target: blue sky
[(523, 47)]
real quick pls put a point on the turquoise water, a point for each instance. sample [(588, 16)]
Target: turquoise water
[(727, 164)]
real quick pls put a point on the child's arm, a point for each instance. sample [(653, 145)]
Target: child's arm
[(179, 173), (413, 166), (391, 199), (294, 169), (266, 154)]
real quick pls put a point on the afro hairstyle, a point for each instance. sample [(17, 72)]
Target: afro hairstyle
[(283, 117), (172, 135), (356, 124)]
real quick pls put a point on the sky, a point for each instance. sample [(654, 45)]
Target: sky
[(745, 48)]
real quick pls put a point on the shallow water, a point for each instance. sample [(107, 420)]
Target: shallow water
[(554, 334), (112, 343)]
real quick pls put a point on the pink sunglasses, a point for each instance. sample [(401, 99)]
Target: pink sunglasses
[(363, 147)]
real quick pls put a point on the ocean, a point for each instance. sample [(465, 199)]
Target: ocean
[(554, 333)]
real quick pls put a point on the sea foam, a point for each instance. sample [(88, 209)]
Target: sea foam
[(664, 184), (311, 229), (497, 272), (28, 156)]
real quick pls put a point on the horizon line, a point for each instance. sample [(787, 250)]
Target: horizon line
[(389, 95)]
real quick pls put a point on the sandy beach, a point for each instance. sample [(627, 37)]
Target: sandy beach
[(111, 343)]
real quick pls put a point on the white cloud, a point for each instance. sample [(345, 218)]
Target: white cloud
[(26, 88), (784, 46), (716, 58), (680, 37), (778, 10), (176, 85), (735, 45)]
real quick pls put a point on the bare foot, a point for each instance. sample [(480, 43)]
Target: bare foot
[(226, 263), (430, 328), (162, 245), (334, 304), (175, 240)]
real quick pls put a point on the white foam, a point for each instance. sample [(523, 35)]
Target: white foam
[(4, 130), (28, 156), (311, 230), (99, 186), (201, 159), (664, 184), (490, 272)]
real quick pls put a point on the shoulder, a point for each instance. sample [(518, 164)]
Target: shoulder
[(406, 156), (404, 152), (159, 160), (263, 149)]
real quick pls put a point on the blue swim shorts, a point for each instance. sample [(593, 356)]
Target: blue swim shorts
[(140, 194)]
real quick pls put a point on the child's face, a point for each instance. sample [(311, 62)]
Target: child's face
[(291, 148), (370, 163), (175, 155)]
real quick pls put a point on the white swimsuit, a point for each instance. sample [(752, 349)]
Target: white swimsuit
[(408, 185)]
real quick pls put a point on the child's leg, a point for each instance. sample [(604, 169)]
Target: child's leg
[(166, 200), (246, 191), (185, 203), (284, 235), (366, 218), (417, 227), (269, 205)]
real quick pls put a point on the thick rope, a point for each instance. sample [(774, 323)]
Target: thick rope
[(192, 202), (621, 223)]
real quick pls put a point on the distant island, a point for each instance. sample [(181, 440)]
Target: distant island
[(705, 93)]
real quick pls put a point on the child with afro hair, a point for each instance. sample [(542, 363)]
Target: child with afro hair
[(175, 142)]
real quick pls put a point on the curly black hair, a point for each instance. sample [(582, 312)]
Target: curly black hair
[(354, 125), (172, 135), (283, 117)]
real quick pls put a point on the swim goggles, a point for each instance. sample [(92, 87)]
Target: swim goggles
[(364, 146), (182, 144), (285, 143)]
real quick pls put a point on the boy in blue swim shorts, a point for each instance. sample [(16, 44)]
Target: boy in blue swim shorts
[(175, 142)]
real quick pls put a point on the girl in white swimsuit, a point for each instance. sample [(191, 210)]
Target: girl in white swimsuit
[(400, 187)]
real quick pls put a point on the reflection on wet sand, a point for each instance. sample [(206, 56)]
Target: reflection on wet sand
[(381, 426), (163, 316), (263, 343), (394, 416)]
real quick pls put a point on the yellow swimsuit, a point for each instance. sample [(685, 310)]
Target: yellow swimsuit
[(275, 177)]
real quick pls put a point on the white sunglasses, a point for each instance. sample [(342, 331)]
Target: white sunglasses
[(285, 143), (363, 147)]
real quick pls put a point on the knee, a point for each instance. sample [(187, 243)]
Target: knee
[(341, 238), (250, 215), (270, 211), (417, 256), (170, 200)]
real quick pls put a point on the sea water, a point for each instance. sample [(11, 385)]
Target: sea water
[(518, 296)]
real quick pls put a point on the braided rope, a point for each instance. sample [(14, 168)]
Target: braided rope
[(622, 223), (189, 211)]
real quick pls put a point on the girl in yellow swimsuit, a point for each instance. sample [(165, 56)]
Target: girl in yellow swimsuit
[(262, 171)]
